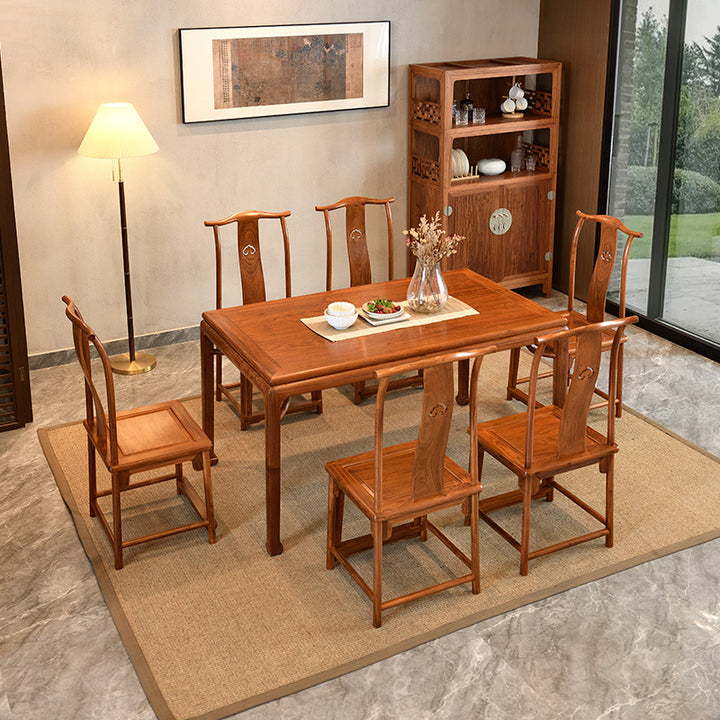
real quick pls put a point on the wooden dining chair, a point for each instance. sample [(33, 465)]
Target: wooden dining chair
[(545, 441), (396, 487), (136, 441), (252, 281), (358, 254), (597, 295)]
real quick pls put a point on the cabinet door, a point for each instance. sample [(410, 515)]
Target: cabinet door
[(481, 250), (529, 239), (515, 255)]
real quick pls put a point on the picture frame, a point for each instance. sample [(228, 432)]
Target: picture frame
[(230, 73)]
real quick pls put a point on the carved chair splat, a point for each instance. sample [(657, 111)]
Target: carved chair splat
[(359, 261), (252, 280)]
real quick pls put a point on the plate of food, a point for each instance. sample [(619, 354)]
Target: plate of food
[(381, 310)]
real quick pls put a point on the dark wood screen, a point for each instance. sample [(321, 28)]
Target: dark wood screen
[(15, 403), (577, 34)]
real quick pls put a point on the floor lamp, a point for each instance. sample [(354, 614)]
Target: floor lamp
[(117, 132)]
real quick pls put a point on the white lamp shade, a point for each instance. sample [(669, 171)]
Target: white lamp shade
[(117, 132)]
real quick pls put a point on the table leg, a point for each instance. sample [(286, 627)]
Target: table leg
[(463, 396), (207, 393), (273, 405)]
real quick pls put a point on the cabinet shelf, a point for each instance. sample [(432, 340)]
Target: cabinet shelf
[(493, 124), (484, 182), (501, 124), (518, 252)]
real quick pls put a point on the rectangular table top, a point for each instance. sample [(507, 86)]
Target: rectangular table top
[(273, 341)]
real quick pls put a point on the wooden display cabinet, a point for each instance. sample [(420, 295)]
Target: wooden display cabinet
[(508, 219)]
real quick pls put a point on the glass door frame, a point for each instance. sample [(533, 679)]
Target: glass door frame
[(652, 320)]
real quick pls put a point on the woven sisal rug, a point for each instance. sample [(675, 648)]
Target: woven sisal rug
[(215, 629)]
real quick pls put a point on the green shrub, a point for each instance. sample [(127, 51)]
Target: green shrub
[(692, 192), (640, 197)]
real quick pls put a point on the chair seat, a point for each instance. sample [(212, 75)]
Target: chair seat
[(156, 435), (356, 477), (505, 439)]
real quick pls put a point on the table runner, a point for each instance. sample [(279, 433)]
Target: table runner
[(454, 309)]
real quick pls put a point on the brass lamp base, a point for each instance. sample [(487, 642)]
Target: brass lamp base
[(123, 365)]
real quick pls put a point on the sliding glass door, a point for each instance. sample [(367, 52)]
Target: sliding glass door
[(665, 166)]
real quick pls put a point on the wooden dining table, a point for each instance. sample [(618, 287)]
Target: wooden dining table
[(282, 357)]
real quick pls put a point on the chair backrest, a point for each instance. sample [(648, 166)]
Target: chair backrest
[(252, 278), (356, 238), (435, 421), (586, 368), (100, 417), (604, 264)]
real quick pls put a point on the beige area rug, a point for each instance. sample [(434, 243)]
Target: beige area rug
[(215, 629)]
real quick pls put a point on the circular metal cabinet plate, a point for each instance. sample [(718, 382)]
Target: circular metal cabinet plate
[(447, 212), (500, 221), (548, 256)]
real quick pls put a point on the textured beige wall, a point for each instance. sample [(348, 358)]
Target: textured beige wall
[(62, 58)]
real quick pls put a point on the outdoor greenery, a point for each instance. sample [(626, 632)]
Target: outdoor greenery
[(692, 192), (697, 181), (690, 235)]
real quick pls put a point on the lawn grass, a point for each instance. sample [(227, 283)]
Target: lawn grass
[(690, 235)]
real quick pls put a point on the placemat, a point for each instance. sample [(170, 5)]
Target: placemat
[(454, 309)]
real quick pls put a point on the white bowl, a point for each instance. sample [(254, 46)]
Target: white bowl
[(341, 322), (491, 166), (338, 309)]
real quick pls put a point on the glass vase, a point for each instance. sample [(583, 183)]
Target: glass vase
[(427, 291)]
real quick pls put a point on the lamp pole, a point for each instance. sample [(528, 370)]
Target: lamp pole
[(117, 132), (126, 265), (133, 363)]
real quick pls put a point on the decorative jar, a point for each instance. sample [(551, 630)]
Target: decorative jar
[(429, 243), (427, 291)]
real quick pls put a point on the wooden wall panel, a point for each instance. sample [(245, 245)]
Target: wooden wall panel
[(577, 34), (15, 403)]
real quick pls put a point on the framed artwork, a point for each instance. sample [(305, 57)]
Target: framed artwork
[(250, 72)]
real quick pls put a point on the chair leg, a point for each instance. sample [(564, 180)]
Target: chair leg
[(117, 521), (316, 397), (359, 387), (467, 507), (513, 370), (92, 476), (246, 402), (422, 523), (610, 501), (336, 502), (377, 536), (618, 385), (179, 478), (525, 532), (550, 496), (475, 541), (209, 503), (218, 375)]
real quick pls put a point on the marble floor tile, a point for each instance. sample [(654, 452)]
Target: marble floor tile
[(644, 643)]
